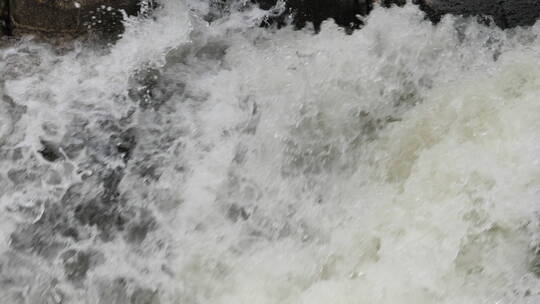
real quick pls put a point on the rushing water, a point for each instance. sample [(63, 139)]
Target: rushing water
[(227, 163)]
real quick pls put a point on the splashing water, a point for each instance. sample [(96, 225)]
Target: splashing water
[(227, 163)]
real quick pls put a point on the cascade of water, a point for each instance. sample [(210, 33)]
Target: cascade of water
[(222, 162)]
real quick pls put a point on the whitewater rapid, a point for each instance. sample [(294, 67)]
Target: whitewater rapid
[(194, 162)]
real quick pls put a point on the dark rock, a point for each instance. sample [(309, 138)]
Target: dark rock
[(4, 18), (344, 12), (266, 4), (389, 3), (521, 13), (69, 17), (505, 13)]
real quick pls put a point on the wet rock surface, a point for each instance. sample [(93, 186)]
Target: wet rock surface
[(4, 18), (505, 13), (66, 18), (344, 12), (104, 17)]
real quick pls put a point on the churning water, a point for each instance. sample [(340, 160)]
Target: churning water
[(227, 163)]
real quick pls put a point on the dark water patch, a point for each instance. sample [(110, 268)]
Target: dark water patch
[(235, 212), (144, 296), (15, 110), (126, 291), (76, 137), (34, 239), (77, 263), (147, 169), (213, 50), (125, 143), (22, 176), (108, 219), (139, 228), (150, 90), (110, 181), (113, 292), (53, 230), (50, 151)]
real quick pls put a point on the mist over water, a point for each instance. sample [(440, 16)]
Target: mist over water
[(228, 163)]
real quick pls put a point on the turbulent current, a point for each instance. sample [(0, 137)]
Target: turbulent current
[(225, 163)]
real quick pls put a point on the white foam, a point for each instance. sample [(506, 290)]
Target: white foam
[(394, 165)]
